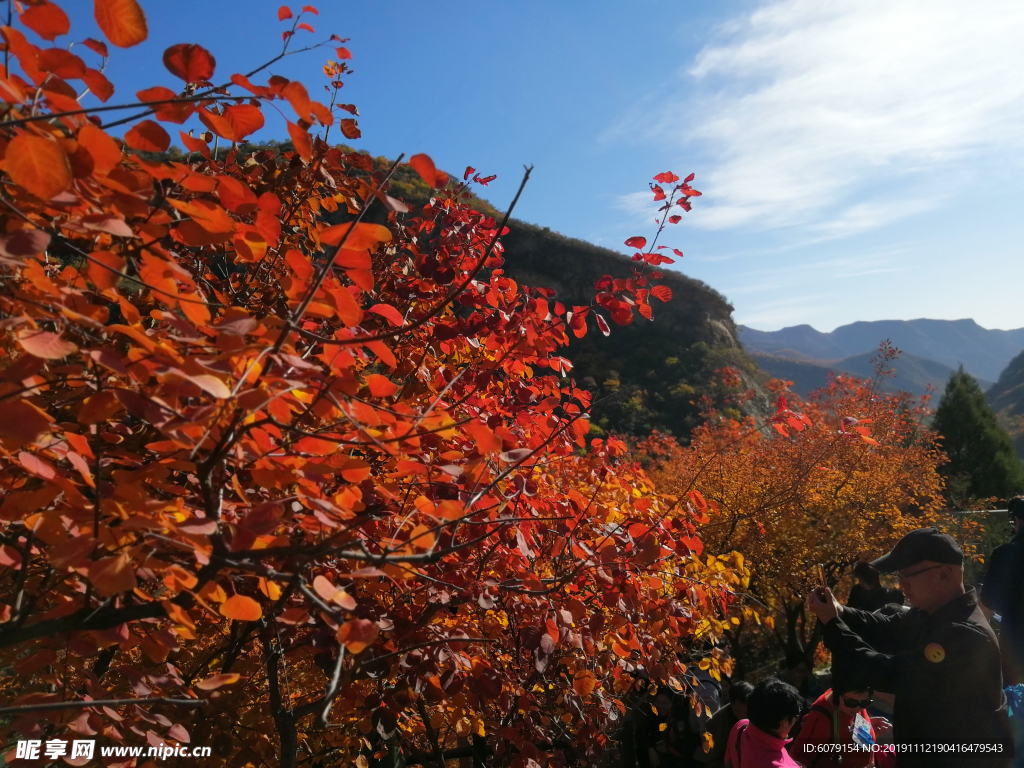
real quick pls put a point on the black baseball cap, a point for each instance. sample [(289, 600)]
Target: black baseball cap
[(918, 546)]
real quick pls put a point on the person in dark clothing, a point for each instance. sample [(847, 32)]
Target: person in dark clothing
[(798, 673), (724, 719), (868, 594), (660, 726), (945, 668), (1003, 592)]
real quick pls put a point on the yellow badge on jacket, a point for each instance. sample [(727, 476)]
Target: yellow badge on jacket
[(934, 652)]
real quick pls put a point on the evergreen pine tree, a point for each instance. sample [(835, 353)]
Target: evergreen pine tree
[(982, 460)]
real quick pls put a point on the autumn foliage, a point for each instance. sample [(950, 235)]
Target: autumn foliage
[(285, 481), (833, 480)]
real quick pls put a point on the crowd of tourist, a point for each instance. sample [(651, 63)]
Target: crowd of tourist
[(919, 678)]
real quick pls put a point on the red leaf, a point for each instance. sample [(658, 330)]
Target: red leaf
[(61, 63), (122, 21), (191, 62), (171, 113), (602, 324), (381, 386), (357, 635), (388, 312), (39, 165), (659, 193), (302, 141), (46, 20), (636, 242), (306, 27), (49, 346), (27, 241), (98, 84), (236, 123), (662, 292), (343, 53), (675, 219), (148, 136), (111, 575), (349, 128), (425, 167), (96, 46), (310, 9), (284, 12), (666, 178), (362, 237)]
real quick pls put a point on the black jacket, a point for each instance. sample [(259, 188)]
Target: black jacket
[(873, 599), (945, 673), (1003, 592)]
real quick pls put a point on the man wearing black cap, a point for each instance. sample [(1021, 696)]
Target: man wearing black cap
[(945, 668), (1003, 593)]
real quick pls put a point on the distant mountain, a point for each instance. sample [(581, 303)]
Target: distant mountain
[(913, 374), (984, 353), (1007, 399)]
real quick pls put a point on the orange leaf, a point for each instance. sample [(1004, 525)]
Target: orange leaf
[(358, 634), (49, 346), (211, 385), (298, 97), (355, 471), (214, 682), (662, 292), (303, 144), (584, 682), (191, 62), (350, 130), (148, 136), (381, 386), (362, 236), (122, 21), (284, 12), (389, 313), (485, 439), (206, 214), (46, 20), (236, 123), (171, 113), (106, 155), (112, 575), (425, 167), (349, 311), (316, 447), (98, 83), (353, 259), (39, 165), (107, 275), (241, 608)]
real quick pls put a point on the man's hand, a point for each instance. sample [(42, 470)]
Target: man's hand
[(824, 604)]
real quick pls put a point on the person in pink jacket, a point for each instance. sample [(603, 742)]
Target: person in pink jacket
[(773, 708)]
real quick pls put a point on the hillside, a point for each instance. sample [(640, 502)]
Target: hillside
[(644, 376), (1007, 399), (913, 374), (984, 353)]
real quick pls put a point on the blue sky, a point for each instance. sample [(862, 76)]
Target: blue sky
[(860, 159)]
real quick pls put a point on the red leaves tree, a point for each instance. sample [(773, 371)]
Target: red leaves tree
[(293, 489)]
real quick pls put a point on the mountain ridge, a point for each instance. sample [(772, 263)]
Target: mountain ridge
[(983, 352)]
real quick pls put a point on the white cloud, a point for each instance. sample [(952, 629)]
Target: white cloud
[(845, 115)]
